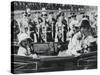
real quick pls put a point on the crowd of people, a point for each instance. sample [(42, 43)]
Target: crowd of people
[(80, 30)]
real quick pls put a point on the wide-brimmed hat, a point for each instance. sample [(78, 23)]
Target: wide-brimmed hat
[(26, 14), (25, 42)]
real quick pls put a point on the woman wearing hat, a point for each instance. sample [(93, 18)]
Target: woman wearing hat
[(81, 40)]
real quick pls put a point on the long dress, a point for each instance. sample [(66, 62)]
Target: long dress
[(74, 45)]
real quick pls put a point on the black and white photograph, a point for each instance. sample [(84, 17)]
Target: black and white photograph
[(48, 37)]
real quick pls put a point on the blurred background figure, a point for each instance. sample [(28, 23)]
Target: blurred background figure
[(16, 30), (73, 22), (59, 29), (24, 25)]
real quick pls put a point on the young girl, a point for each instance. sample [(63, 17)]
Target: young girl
[(25, 48)]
